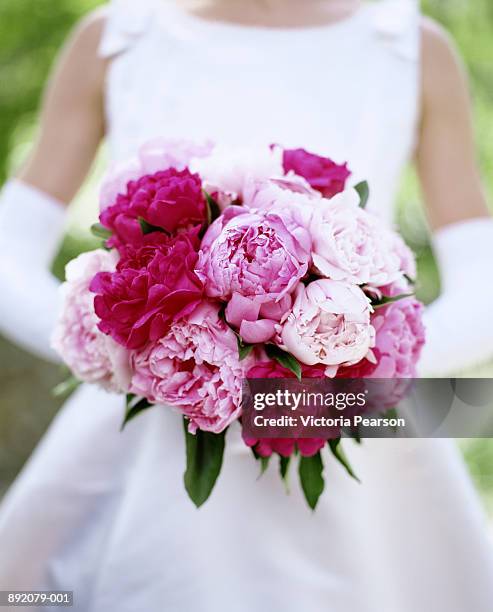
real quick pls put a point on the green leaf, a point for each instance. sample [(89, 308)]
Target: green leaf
[(66, 387), (284, 463), (135, 405), (336, 450), (284, 466), (312, 481), (384, 301), (356, 435), (204, 460), (285, 359), (391, 413), (100, 231), (147, 228), (264, 461), (213, 210), (363, 191), (243, 349), (264, 464)]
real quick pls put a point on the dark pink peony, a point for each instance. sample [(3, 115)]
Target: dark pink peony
[(273, 369), (322, 173), (284, 446), (151, 287), (169, 200), (363, 369)]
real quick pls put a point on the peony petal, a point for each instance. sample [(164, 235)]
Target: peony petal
[(258, 331), (241, 308)]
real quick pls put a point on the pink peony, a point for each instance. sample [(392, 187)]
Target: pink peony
[(400, 336), (255, 260), (322, 173), (292, 195), (352, 245), (228, 170), (329, 324), (168, 200), (258, 255), (151, 287), (195, 368), (92, 356), (154, 156)]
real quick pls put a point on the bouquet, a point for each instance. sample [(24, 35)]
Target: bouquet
[(221, 264)]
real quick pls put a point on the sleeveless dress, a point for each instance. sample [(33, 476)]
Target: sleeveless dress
[(105, 513)]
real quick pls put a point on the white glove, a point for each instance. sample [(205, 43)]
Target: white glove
[(459, 324), (31, 228)]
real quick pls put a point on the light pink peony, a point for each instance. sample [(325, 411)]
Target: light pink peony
[(163, 153), (156, 155), (291, 195), (195, 368), (229, 169), (92, 356), (350, 244), (328, 324)]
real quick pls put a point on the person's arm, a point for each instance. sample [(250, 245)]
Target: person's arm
[(459, 322), (32, 205)]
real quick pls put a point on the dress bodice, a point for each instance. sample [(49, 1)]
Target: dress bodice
[(347, 89)]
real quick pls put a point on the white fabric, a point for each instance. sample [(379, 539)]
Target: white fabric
[(105, 513), (348, 89), (459, 326), (31, 227)]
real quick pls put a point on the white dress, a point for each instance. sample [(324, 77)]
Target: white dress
[(105, 513)]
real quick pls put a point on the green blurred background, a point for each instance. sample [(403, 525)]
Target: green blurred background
[(31, 32)]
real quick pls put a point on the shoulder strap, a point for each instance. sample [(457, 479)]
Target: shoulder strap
[(126, 21), (397, 23)]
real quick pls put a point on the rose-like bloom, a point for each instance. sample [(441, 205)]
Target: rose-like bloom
[(255, 260), (92, 356), (154, 156), (151, 287), (260, 255), (168, 200), (195, 368), (329, 324), (228, 169), (322, 173), (350, 244)]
